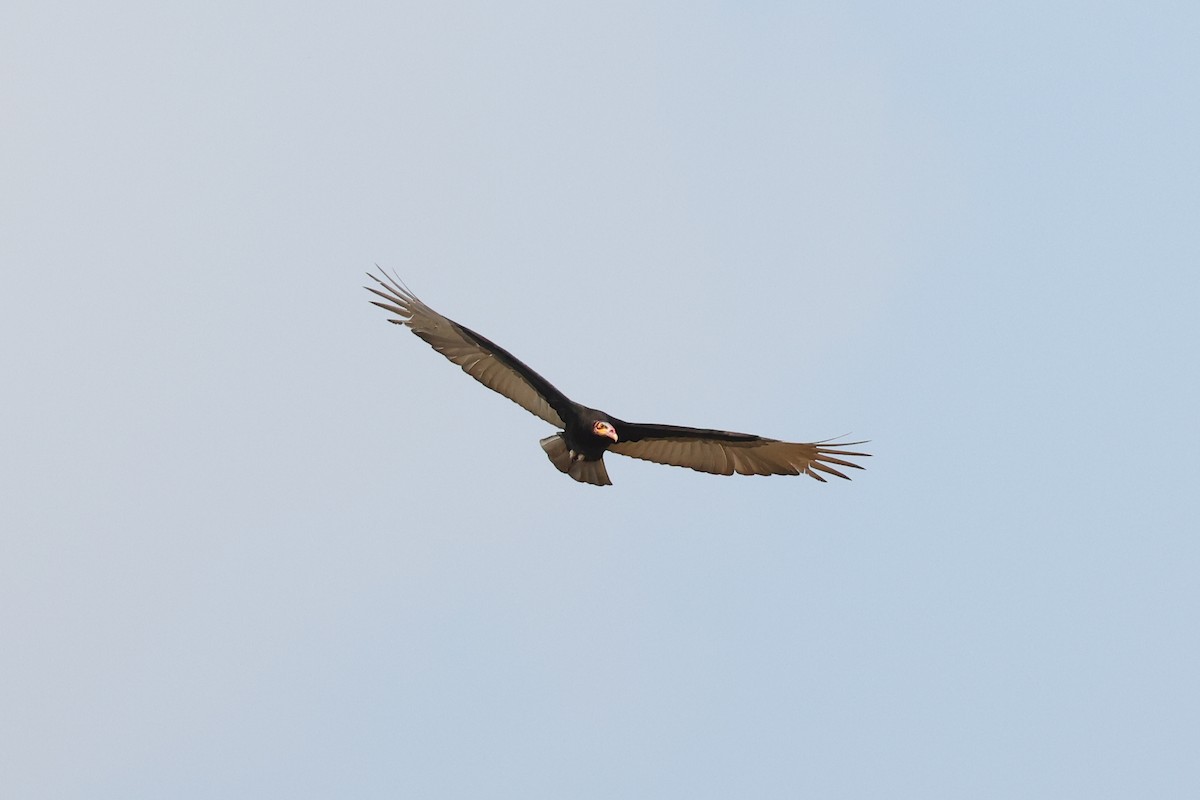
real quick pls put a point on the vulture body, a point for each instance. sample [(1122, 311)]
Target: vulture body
[(585, 433)]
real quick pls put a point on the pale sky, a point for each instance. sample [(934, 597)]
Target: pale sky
[(256, 542)]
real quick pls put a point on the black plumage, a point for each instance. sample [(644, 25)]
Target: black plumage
[(586, 434)]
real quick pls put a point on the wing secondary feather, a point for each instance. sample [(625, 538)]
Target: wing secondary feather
[(482, 359)]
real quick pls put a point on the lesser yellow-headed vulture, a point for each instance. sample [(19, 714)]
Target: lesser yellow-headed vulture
[(578, 448)]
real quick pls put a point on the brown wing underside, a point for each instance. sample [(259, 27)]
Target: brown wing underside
[(741, 453), (480, 358)]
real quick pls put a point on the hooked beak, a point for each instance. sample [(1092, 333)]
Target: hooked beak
[(605, 429)]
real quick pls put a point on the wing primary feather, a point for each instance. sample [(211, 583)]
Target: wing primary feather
[(824, 456), (814, 464), (388, 307)]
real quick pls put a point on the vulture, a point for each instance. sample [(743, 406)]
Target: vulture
[(585, 434)]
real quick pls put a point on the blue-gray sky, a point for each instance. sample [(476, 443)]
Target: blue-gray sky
[(256, 542)]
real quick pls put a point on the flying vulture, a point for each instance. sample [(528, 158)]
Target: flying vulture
[(585, 433)]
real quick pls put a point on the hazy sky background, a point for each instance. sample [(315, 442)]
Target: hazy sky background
[(256, 542)]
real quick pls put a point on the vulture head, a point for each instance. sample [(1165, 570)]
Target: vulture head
[(604, 430)]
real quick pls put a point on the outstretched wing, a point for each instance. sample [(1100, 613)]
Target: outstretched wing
[(483, 360), (725, 452)]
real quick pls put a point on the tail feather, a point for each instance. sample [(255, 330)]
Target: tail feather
[(556, 447), (592, 472)]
